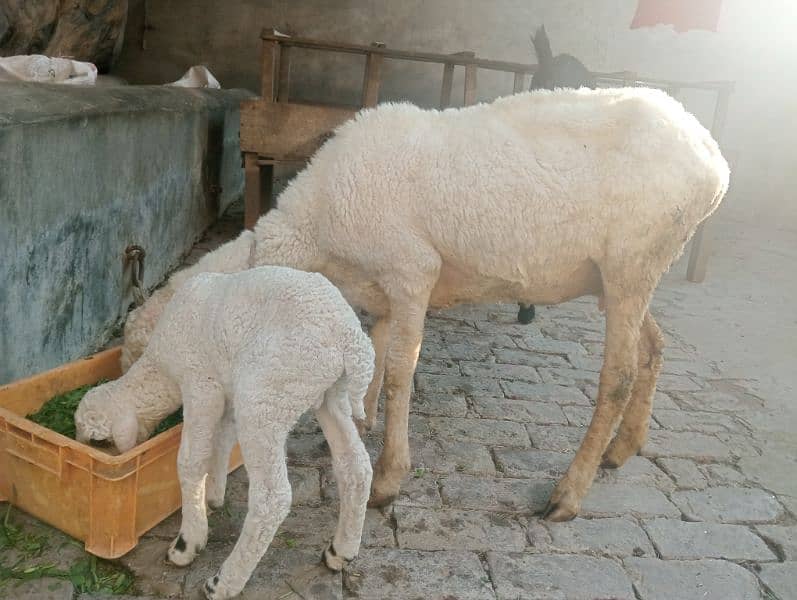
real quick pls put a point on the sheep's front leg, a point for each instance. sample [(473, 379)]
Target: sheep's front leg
[(406, 334), (633, 431), (352, 468), (263, 448), (202, 411), (623, 322), (380, 334), (217, 477)]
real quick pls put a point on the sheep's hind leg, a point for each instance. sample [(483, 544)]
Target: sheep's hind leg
[(202, 408), (633, 431), (262, 444), (217, 478), (352, 468), (380, 334), (623, 323)]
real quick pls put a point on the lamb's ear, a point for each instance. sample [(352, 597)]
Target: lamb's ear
[(124, 428)]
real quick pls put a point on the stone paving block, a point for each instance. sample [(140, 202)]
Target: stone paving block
[(153, 575), (486, 431), (532, 463), (420, 489), (789, 502), (691, 541), (441, 350), (409, 574), (606, 499), (559, 394), (500, 371), (525, 411), (739, 445), (313, 527), (549, 346), (773, 471), (585, 363), (677, 383), (427, 529), (509, 327), (781, 579), (720, 401), (557, 577), (494, 340), (447, 456), (308, 450), (46, 588), (657, 579), (637, 471), (530, 359), (451, 384), (305, 484), (685, 473), (440, 405), (604, 537), (555, 437), (560, 331), (705, 422), (784, 537), (693, 368), (568, 376), (463, 312), (663, 401), (728, 505), (578, 416), (496, 493), (682, 444), (719, 474), (282, 574), (450, 325), (437, 366)]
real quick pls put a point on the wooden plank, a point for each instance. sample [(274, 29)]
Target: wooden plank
[(270, 58), (287, 130), (445, 89), (284, 83), (518, 83), (252, 190), (372, 78), (701, 246), (470, 85)]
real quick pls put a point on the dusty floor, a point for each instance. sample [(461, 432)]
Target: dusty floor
[(708, 511)]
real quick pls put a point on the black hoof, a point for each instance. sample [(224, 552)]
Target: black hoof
[(526, 314)]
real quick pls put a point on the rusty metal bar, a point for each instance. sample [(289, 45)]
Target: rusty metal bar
[(701, 245), (470, 84), (372, 77), (445, 89), (518, 84), (284, 83)]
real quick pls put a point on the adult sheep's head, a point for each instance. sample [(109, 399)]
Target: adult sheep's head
[(100, 417)]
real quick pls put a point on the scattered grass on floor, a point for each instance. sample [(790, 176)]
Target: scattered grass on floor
[(88, 574), (58, 413)]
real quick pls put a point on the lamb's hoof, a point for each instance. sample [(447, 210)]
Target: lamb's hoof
[(617, 454), (562, 506), (526, 314), (332, 560), (216, 591), (179, 554)]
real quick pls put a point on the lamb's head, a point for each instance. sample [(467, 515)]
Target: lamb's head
[(102, 417)]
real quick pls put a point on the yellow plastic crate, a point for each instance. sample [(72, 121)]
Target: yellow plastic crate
[(107, 502)]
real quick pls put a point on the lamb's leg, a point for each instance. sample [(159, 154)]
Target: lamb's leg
[(263, 448), (525, 313), (623, 323), (203, 408), (633, 431), (352, 468), (380, 334), (217, 478)]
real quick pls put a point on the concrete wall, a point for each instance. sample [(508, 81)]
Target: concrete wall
[(755, 46), (85, 172)]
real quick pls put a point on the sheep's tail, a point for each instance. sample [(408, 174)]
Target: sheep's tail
[(542, 46), (358, 363)]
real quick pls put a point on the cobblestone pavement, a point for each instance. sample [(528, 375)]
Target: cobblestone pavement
[(708, 511)]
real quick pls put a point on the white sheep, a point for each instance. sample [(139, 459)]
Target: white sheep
[(249, 353), (406, 209)]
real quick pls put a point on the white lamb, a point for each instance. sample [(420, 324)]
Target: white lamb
[(539, 197), (249, 353)]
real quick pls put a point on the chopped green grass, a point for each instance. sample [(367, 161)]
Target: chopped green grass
[(88, 574), (58, 413)]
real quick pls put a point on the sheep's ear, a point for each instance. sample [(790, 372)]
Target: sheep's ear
[(125, 429)]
